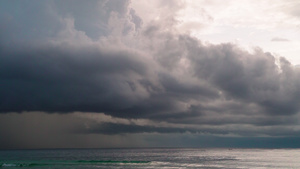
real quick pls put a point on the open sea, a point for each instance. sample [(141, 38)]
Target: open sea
[(150, 158)]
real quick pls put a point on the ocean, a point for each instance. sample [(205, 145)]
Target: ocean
[(150, 158)]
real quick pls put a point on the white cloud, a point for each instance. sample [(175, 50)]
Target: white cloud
[(252, 22)]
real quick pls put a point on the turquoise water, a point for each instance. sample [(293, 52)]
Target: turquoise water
[(150, 158)]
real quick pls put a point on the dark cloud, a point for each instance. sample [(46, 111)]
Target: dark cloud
[(94, 130), (112, 129), (123, 83), (107, 61), (75, 78)]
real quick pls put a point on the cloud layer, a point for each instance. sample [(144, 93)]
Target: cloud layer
[(63, 60)]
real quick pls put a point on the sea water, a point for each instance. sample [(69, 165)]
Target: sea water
[(150, 158)]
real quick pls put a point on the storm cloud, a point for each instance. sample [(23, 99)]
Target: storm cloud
[(119, 67)]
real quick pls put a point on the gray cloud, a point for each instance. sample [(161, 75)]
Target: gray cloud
[(94, 130), (108, 61)]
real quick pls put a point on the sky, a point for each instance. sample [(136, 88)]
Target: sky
[(160, 73)]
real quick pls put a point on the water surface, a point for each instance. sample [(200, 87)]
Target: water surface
[(150, 158)]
